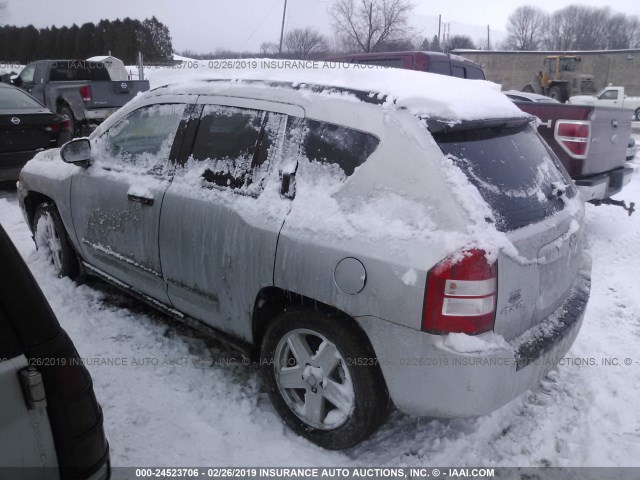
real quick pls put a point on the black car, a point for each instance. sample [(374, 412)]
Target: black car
[(26, 127), (51, 425)]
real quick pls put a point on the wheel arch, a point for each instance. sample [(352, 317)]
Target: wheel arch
[(31, 203), (272, 300)]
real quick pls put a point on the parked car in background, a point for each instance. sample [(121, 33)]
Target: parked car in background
[(433, 62), (610, 97), (26, 127), (51, 425), (80, 90), (349, 244), (517, 96)]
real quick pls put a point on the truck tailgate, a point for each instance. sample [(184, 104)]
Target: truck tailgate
[(115, 94), (610, 129)]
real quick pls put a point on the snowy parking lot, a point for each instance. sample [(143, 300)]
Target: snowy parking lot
[(172, 398)]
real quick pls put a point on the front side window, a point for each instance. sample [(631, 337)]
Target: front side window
[(144, 136), (440, 67), (474, 73), (28, 74)]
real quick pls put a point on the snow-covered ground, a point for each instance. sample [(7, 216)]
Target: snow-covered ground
[(166, 402)]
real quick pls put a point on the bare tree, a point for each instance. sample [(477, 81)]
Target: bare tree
[(301, 42), (525, 27), (460, 42), (580, 27), (624, 32), (269, 48), (369, 23)]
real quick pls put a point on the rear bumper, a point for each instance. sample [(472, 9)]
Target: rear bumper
[(426, 377), (11, 164), (604, 185), (98, 115)]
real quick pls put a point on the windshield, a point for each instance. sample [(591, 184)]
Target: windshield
[(517, 175)]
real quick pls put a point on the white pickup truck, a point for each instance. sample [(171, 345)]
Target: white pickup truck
[(610, 97)]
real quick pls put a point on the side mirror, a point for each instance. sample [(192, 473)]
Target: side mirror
[(77, 152), (17, 81)]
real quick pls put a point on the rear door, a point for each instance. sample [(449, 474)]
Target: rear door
[(223, 212), (116, 203)]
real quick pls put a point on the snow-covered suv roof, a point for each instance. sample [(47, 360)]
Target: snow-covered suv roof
[(421, 93)]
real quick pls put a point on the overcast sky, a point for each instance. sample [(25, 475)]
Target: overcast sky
[(206, 25)]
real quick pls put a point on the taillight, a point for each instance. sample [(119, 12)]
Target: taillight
[(85, 93), (461, 295), (574, 137), (63, 125)]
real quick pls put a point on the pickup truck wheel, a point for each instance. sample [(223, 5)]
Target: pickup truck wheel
[(322, 378), (636, 115), (67, 136), (51, 239)]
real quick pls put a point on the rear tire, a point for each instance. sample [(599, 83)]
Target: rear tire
[(636, 115), (528, 89), (68, 136), (51, 239), (323, 379)]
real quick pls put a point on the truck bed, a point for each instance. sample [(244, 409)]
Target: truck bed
[(610, 129)]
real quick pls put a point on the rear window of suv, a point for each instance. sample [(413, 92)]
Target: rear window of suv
[(517, 175)]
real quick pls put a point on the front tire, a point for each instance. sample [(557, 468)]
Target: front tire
[(558, 94), (51, 239), (636, 115), (323, 378)]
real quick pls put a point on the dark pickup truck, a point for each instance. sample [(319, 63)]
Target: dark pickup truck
[(591, 142), (80, 90)]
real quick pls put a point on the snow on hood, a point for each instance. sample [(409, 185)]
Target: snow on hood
[(422, 93)]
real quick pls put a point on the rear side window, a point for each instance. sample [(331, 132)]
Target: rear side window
[(78, 70), (442, 68), (457, 71), (334, 144), (229, 137), (474, 73), (514, 171)]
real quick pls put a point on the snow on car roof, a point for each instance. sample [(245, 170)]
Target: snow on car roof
[(422, 93)]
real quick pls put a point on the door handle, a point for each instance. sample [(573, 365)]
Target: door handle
[(142, 200)]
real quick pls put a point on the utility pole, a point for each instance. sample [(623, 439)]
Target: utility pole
[(284, 14), (439, 25), (488, 39)]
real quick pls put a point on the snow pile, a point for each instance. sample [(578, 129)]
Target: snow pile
[(420, 92)]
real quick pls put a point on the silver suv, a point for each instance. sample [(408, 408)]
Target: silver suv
[(363, 250)]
